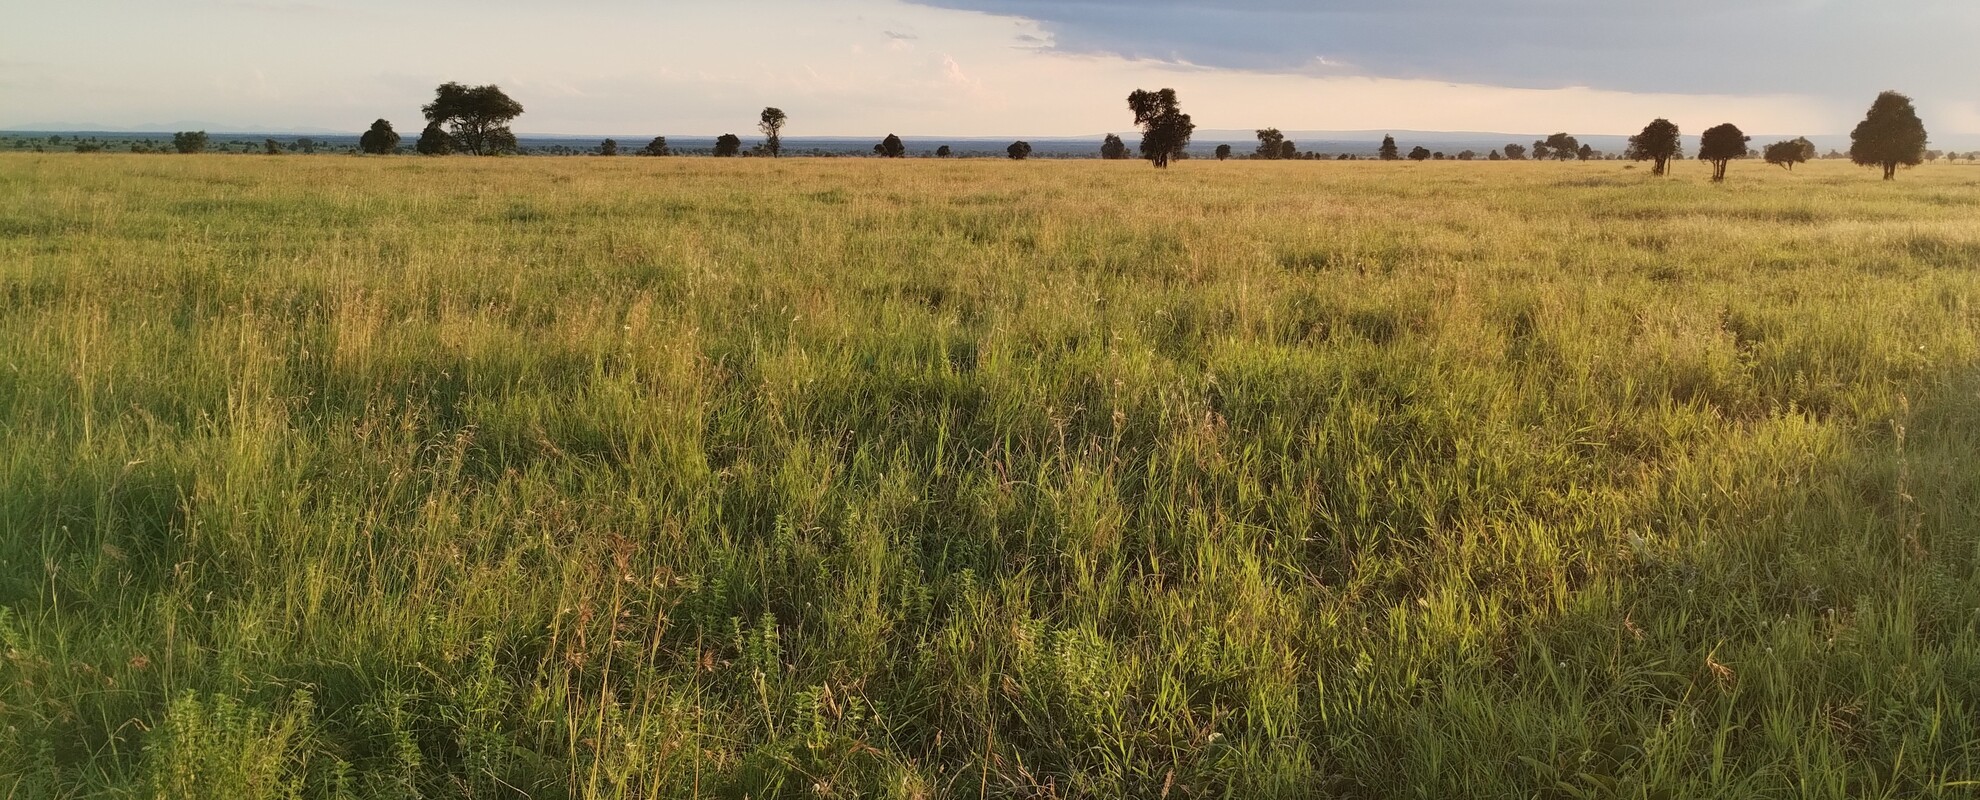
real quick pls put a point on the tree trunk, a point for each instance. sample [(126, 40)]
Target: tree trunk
[(1890, 170)]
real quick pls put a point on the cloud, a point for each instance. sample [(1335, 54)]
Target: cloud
[(1835, 48), (898, 36)]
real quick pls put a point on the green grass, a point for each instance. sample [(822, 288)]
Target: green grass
[(654, 478)]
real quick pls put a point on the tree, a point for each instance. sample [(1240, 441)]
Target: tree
[(1587, 153), (1466, 155), (727, 145), (433, 141), (1541, 152), (1419, 153), (771, 123), (1223, 152), (943, 152), (1288, 151), (380, 140), (1659, 142), (271, 147), (477, 116), (890, 147), (657, 147), (1721, 145), (1388, 150), (1890, 136), (1271, 144), (1515, 152), (1019, 150), (609, 147), (1165, 130), (305, 144), (1789, 153), (183, 141), (1562, 146), (1113, 149)]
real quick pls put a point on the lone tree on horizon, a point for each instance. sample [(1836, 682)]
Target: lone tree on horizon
[(187, 142), (380, 140), (1388, 150), (1563, 147), (1271, 144), (1419, 153), (1721, 145), (727, 145), (1659, 142), (1165, 130), (771, 123), (1223, 152), (657, 147), (1113, 149), (434, 141), (609, 147), (943, 152), (1890, 136), (891, 147), (477, 116), (1019, 150), (1515, 152), (1789, 153)]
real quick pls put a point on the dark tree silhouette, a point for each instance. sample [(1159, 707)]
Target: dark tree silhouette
[(1223, 152), (380, 140), (891, 147), (1515, 152), (727, 145), (1789, 153), (1288, 151), (1019, 150), (1890, 136), (609, 147), (1388, 150), (1720, 145), (1561, 146), (1165, 130), (1586, 153), (1419, 153), (183, 141), (1113, 149), (477, 116), (771, 123), (1467, 155), (1271, 144), (270, 147), (943, 152), (1659, 142), (433, 141), (657, 147)]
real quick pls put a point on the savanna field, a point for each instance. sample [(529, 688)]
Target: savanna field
[(338, 477)]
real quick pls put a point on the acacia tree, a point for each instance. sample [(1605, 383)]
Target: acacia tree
[(183, 141), (891, 147), (1388, 150), (1419, 153), (1271, 144), (727, 145), (1562, 146), (1165, 130), (1223, 152), (943, 152), (433, 141), (477, 116), (1789, 153), (1587, 152), (1019, 150), (609, 147), (657, 147), (771, 123), (1890, 136), (1515, 152), (380, 140), (1720, 145), (1659, 142), (1113, 149), (1466, 155)]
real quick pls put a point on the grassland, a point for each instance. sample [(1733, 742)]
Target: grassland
[(651, 478)]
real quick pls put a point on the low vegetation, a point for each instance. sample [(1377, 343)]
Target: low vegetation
[(644, 478)]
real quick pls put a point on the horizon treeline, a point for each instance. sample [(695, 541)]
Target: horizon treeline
[(474, 120)]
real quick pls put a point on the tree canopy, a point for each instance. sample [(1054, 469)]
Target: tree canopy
[(891, 147), (1515, 152), (477, 116), (1789, 153), (1223, 152), (1271, 144), (1419, 153), (1660, 141), (185, 141), (1019, 150), (1165, 130), (1388, 150), (1890, 136), (433, 141), (657, 147), (380, 140), (1721, 144), (727, 145), (771, 123), (609, 147), (943, 152), (1562, 146), (1113, 149)]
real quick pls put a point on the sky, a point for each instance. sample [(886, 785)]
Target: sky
[(990, 67)]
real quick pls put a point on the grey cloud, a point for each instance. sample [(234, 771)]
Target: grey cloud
[(1835, 48)]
